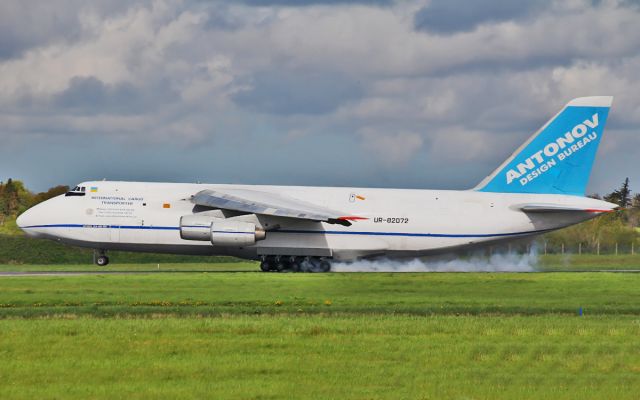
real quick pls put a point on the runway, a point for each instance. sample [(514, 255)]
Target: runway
[(84, 273), (8, 274)]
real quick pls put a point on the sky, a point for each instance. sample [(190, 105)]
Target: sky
[(408, 94)]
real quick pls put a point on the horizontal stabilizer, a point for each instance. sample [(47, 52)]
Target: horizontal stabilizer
[(555, 208)]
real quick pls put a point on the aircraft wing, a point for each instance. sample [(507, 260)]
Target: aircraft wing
[(265, 203), (549, 208)]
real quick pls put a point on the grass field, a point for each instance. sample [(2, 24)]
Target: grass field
[(588, 262), (319, 357), (381, 293), (317, 336)]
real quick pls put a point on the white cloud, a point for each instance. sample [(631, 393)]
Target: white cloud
[(200, 74), (392, 148)]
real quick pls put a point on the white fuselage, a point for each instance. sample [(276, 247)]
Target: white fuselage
[(138, 216)]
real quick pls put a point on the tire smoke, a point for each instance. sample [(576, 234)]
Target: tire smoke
[(497, 262)]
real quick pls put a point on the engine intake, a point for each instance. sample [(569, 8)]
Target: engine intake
[(221, 232)]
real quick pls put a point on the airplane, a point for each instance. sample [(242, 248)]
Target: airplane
[(538, 189)]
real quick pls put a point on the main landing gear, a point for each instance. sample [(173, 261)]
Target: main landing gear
[(100, 258), (294, 264)]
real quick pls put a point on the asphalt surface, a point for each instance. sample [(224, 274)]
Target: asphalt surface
[(81, 273)]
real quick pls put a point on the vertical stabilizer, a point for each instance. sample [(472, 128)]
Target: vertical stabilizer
[(558, 158)]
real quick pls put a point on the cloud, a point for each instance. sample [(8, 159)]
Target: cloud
[(392, 148), (315, 92), (307, 92), (38, 23), (304, 3), (453, 16), (89, 95)]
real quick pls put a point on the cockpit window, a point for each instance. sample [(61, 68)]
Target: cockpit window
[(76, 191)]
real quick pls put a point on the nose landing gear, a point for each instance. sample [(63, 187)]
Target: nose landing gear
[(294, 264)]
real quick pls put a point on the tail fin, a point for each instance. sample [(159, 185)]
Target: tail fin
[(558, 158)]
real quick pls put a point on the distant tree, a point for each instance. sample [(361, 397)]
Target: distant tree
[(53, 192), (612, 197), (625, 194), (9, 198), (622, 196), (634, 212), (595, 196), (14, 198)]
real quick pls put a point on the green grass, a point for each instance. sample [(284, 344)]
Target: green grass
[(320, 357), (588, 262), (9, 226), (317, 336), (353, 294)]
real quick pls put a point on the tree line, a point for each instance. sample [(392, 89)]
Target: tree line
[(15, 198), (615, 230)]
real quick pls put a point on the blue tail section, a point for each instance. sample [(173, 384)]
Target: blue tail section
[(558, 158)]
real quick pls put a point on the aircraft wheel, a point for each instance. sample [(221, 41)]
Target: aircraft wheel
[(265, 266), (294, 264), (324, 266), (102, 261), (306, 265), (319, 265)]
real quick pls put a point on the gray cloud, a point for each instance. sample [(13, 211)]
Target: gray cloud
[(307, 92), (336, 93), (24, 25), (303, 3), (36, 23), (452, 16), (89, 95)]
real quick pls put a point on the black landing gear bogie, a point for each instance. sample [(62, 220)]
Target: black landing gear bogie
[(294, 264), (100, 258)]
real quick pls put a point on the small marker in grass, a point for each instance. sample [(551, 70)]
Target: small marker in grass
[(580, 311)]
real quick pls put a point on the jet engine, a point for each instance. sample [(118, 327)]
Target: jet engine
[(220, 231)]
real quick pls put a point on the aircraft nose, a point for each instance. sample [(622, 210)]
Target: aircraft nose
[(26, 222), (23, 220)]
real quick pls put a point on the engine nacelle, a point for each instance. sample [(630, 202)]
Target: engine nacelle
[(235, 233), (196, 227), (220, 231)]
